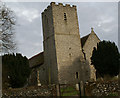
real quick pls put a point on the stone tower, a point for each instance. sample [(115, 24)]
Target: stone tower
[(63, 55)]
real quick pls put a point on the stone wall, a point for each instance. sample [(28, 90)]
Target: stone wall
[(38, 76), (103, 88), (42, 75), (38, 70), (90, 43), (49, 46), (62, 45), (29, 92), (36, 60), (33, 77)]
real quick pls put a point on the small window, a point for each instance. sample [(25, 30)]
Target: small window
[(65, 17), (76, 75)]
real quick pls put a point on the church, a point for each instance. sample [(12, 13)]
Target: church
[(66, 56)]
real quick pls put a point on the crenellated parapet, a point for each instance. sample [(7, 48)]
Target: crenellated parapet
[(61, 4)]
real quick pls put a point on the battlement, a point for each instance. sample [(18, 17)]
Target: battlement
[(46, 9), (61, 4)]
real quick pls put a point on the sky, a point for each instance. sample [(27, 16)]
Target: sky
[(102, 16)]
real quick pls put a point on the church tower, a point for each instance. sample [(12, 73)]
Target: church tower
[(63, 55)]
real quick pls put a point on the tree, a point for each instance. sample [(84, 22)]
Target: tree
[(7, 23), (105, 58), (15, 70)]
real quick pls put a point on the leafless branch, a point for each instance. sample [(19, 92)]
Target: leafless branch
[(7, 23)]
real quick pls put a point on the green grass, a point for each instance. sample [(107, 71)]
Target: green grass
[(113, 94), (69, 91)]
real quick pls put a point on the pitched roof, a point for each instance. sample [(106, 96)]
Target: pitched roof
[(36, 60), (83, 40)]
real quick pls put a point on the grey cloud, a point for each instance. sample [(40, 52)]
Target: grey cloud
[(101, 16)]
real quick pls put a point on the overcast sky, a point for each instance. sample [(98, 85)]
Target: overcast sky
[(103, 17)]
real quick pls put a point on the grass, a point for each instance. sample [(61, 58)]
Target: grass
[(69, 91), (113, 94), (71, 94)]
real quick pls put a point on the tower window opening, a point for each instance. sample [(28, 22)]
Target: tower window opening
[(65, 17), (77, 75)]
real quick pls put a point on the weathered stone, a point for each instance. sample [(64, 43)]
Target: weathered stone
[(105, 89), (88, 43), (23, 92), (66, 56)]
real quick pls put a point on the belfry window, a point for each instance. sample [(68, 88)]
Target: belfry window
[(65, 17)]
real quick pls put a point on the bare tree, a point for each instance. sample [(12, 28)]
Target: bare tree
[(7, 23)]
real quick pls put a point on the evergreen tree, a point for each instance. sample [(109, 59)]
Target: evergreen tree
[(15, 69), (105, 58)]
